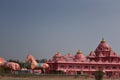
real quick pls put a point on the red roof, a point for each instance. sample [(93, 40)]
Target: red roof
[(103, 46)]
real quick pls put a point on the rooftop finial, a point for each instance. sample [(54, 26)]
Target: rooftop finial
[(79, 52), (103, 40)]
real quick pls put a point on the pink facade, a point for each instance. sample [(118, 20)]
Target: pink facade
[(102, 58)]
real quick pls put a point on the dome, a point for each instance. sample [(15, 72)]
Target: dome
[(92, 54), (103, 46), (2, 60), (57, 55), (80, 56)]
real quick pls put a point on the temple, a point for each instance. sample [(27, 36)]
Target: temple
[(102, 58)]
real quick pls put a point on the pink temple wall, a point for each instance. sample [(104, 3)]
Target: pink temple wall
[(103, 57)]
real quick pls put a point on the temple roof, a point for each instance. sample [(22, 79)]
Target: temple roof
[(57, 55), (79, 55), (103, 46), (92, 54), (2, 60)]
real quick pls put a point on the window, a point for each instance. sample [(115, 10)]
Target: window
[(70, 66), (93, 74), (93, 67), (107, 67), (62, 66), (86, 67), (114, 67), (78, 66), (99, 67)]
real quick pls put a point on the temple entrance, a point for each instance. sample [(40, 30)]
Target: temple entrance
[(79, 72)]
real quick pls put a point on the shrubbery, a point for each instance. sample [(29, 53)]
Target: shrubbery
[(99, 75)]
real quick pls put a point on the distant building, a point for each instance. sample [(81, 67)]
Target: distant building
[(102, 58)]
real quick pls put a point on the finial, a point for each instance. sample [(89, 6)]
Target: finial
[(57, 52), (79, 51), (103, 40)]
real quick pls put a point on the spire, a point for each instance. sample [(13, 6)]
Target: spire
[(79, 52), (103, 46), (103, 40)]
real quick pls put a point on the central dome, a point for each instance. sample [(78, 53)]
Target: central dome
[(103, 46)]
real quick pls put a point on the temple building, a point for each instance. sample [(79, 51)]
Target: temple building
[(102, 58)]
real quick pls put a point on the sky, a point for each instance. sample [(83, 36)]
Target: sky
[(44, 27)]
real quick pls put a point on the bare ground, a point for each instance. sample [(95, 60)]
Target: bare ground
[(49, 78)]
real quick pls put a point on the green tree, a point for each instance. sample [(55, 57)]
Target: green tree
[(41, 60), (24, 65), (1, 70), (12, 60), (99, 74)]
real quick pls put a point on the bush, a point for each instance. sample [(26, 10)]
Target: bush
[(57, 72), (99, 75), (1, 70)]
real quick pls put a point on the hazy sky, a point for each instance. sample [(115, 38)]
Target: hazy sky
[(43, 27)]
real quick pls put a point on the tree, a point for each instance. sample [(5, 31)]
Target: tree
[(41, 60), (99, 74), (24, 65), (11, 60), (1, 70)]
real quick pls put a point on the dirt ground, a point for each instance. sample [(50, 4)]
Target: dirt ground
[(43, 78), (49, 78)]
